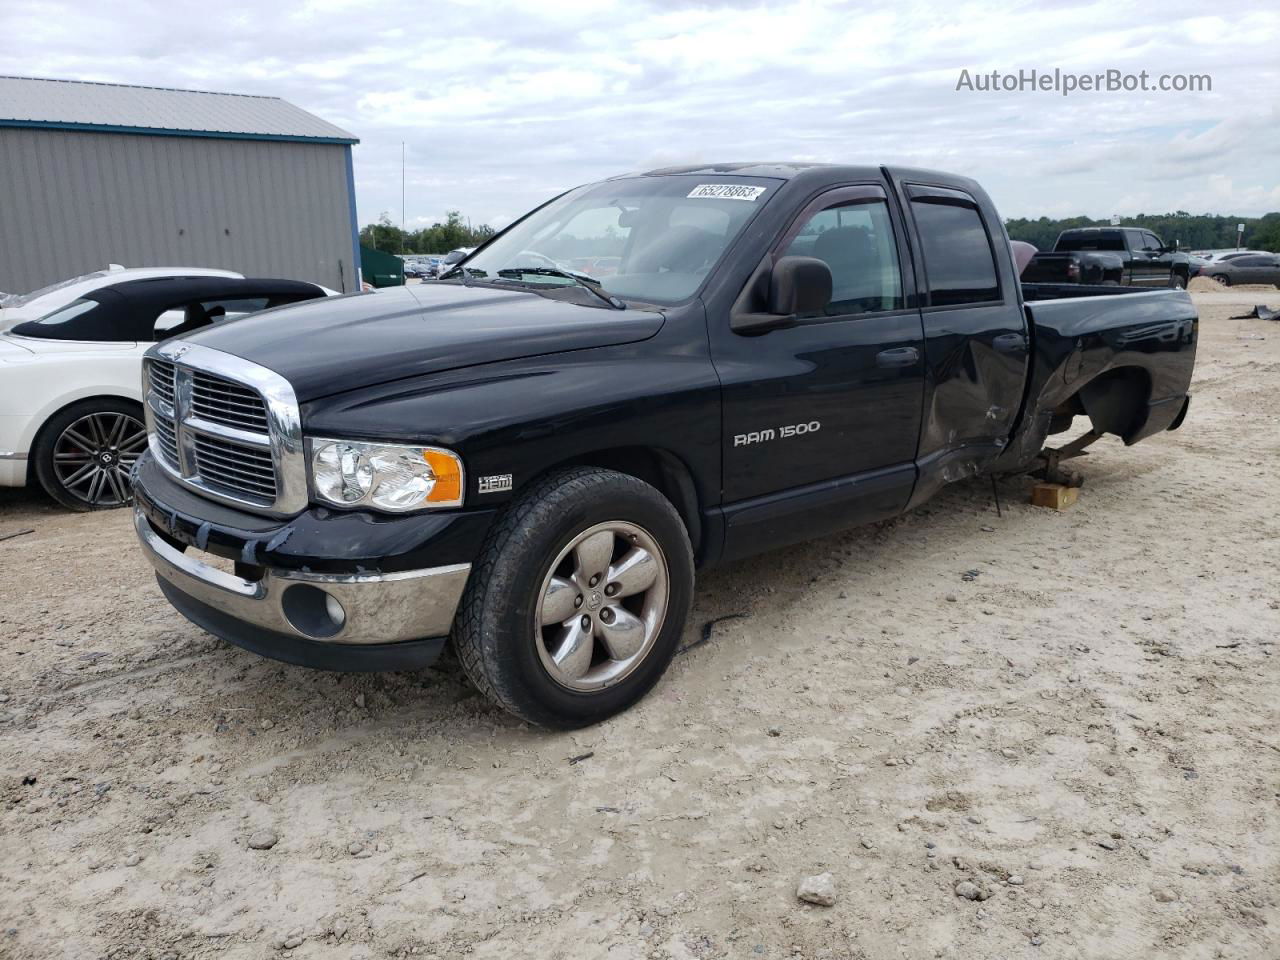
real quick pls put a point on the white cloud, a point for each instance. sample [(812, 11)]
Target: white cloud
[(505, 103)]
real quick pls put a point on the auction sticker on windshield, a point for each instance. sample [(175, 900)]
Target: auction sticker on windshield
[(727, 191)]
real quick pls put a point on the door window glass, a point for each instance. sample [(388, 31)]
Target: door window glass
[(958, 259), (856, 241)]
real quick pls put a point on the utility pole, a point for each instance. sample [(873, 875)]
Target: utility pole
[(403, 227)]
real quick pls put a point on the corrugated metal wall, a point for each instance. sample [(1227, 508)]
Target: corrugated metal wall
[(72, 202)]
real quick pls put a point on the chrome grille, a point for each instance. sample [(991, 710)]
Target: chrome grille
[(222, 401), (168, 440), (225, 426), (162, 380), (236, 467)]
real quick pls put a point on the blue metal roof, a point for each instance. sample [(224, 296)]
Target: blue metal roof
[(118, 108)]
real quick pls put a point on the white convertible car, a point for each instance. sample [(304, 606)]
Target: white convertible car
[(71, 367)]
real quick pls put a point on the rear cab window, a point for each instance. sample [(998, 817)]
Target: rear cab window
[(1111, 241), (959, 262)]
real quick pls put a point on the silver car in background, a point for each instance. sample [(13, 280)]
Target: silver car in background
[(1247, 268)]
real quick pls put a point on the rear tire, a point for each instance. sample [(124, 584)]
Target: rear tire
[(85, 453), (1178, 282), (544, 634)]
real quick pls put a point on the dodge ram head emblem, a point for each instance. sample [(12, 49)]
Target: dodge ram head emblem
[(495, 484)]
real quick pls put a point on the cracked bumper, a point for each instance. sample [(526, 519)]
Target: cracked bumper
[(357, 621)]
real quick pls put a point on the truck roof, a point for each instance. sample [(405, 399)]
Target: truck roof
[(784, 170), (805, 171), (1104, 229)]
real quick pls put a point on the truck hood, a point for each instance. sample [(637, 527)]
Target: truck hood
[(329, 346)]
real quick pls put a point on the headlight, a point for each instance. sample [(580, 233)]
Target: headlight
[(385, 476)]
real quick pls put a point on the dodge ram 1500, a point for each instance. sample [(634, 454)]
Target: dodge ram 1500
[(530, 462)]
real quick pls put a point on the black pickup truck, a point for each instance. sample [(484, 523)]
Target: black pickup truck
[(530, 462), (1128, 256)]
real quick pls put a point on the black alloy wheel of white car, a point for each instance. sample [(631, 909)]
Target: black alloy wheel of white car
[(85, 453)]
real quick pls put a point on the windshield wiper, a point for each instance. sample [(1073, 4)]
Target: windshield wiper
[(586, 281), (459, 272)]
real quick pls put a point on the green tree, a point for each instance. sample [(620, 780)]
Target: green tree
[(1267, 234), (438, 238), (383, 235)]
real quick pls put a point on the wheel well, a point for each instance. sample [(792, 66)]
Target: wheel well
[(1116, 402), (660, 469), (39, 434)]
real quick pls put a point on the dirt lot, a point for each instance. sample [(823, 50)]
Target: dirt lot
[(1077, 712)]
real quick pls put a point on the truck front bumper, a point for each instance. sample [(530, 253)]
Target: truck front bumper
[(358, 621)]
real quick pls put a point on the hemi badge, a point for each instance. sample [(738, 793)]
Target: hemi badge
[(495, 484)]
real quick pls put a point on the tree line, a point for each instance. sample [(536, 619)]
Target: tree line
[(1203, 232), (456, 231)]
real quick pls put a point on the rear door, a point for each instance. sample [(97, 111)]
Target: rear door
[(976, 345)]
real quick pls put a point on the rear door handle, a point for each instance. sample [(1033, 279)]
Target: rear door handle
[(898, 357), (1010, 343)]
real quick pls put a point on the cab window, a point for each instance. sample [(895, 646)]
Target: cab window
[(855, 240), (958, 259)]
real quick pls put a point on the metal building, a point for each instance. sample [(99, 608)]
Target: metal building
[(98, 173)]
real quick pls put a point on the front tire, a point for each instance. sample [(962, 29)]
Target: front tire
[(1178, 282), (578, 599), (85, 453), (1223, 279)]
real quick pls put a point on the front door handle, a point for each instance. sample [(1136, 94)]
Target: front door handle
[(898, 357), (1010, 343)]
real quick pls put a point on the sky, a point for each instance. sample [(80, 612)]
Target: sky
[(501, 105)]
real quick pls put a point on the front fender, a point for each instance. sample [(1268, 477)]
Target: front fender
[(521, 418)]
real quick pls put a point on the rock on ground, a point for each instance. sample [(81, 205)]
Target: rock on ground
[(820, 889)]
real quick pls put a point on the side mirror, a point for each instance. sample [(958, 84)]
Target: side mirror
[(797, 285)]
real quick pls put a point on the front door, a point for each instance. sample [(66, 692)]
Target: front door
[(839, 394), (1151, 266)]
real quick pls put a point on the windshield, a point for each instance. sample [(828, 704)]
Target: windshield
[(651, 239)]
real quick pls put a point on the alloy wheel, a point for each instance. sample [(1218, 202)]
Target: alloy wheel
[(93, 457), (602, 605)]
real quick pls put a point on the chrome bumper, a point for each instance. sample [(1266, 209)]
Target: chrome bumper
[(374, 608)]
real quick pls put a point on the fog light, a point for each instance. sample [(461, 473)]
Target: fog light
[(312, 612)]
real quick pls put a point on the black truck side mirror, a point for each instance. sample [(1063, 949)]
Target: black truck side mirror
[(797, 285)]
